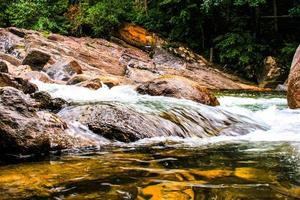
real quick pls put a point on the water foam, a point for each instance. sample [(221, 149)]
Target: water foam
[(284, 123)]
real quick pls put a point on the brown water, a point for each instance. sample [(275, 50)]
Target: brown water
[(223, 171)]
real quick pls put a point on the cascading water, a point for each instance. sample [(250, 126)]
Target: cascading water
[(121, 109), (247, 148)]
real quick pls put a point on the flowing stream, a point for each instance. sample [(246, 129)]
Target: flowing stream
[(247, 148)]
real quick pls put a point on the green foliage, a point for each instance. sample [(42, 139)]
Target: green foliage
[(287, 52), (39, 15), (106, 16), (240, 51), (234, 28)]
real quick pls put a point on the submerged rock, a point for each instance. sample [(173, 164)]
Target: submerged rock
[(178, 87), (293, 92), (116, 121)]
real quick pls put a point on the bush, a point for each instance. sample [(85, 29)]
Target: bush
[(106, 16), (39, 15), (240, 52)]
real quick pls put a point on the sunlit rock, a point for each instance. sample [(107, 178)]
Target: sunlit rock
[(293, 93), (178, 87)]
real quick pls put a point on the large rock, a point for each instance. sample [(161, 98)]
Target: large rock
[(137, 35), (37, 59), (47, 102), (178, 87), (17, 82), (24, 129), (64, 70), (272, 73), (293, 93), (128, 123), (121, 123)]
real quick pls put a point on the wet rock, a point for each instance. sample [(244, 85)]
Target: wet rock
[(120, 123), (127, 123), (47, 102), (37, 59), (64, 70), (24, 129), (293, 92), (17, 82), (178, 87), (96, 83), (272, 73), (78, 78), (3, 67)]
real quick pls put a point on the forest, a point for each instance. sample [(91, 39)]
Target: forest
[(239, 33)]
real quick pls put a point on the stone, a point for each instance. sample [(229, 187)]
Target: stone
[(78, 78), (37, 59), (293, 91), (3, 67), (25, 129), (96, 83), (271, 74), (178, 87), (10, 58), (47, 102), (36, 75), (17, 82), (140, 75), (137, 35), (64, 70)]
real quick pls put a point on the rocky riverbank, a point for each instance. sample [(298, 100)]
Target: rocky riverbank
[(28, 119)]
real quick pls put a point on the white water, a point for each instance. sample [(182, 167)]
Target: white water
[(283, 123)]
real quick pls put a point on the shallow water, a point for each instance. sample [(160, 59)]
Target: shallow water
[(264, 164)]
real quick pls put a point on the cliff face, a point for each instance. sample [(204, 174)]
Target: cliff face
[(64, 58)]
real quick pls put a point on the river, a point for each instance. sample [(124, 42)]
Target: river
[(257, 158)]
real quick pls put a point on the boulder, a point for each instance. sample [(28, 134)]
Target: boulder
[(96, 83), (293, 92), (78, 78), (128, 123), (271, 74), (64, 70), (3, 67), (37, 59), (119, 123), (24, 129), (178, 87), (17, 82), (137, 35), (47, 102)]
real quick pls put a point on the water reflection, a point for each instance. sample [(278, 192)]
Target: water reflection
[(228, 171)]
